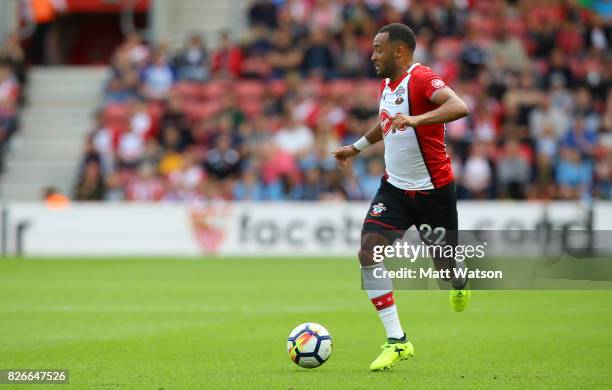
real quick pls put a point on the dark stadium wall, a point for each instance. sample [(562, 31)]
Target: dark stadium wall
[(85, 38), (86, 33), (97, 6), (96, 36)]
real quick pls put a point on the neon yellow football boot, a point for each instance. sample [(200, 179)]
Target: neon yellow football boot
[(390, 354), (459, 299)]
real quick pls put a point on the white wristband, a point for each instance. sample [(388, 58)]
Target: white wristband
[(362, 143)]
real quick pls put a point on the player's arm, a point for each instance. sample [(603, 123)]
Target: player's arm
[(343, 153), (451, 107)]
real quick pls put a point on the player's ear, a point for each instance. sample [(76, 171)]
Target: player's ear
[(399, 50)]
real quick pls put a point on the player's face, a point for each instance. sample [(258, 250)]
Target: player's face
[(382, 57)]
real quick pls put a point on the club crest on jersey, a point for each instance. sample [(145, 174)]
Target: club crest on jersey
[(399, 93), (377, 209)]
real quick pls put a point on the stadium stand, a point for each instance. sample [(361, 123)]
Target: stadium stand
[(257, 118)]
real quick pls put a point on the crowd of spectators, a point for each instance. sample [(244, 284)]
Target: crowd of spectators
[(12, 81), (256, 118)]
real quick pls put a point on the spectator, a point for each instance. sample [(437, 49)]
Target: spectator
[(284, 57), (141, 122), (275, 162), (573, 175), (145, 187), (513, 171), (318, 57), (157, 78), (55, 199), (230, 108), (129, 149), (185, 183), (256, 49), (227, 58), (312, 187), (152, 153), (325, 15), (114, 188), (350, 58), (13, 55), (135, 50), (9, 94), (451, 17), (171, 161), (171, 138), (371, 179), (545, 114), (224, 160), (569, 38), (418, 17), (543, 34), (249, 187), (584, 107), (599, 34), (294, 137), (191, 63), (92, 186), (123, 84), (520, 101), (174, 116), (558, 70), (263, 12), (580, 138), (473, 54), (477, 176), (507, 51)]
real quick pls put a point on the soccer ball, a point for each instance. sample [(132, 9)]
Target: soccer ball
[(309, 345)]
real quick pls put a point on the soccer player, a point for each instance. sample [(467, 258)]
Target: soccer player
[(418, 188)]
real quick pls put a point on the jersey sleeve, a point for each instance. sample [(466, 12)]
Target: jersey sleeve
[(428, 83)]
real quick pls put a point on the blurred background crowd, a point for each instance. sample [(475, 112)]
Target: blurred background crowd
[(12, 82), (256, 117)]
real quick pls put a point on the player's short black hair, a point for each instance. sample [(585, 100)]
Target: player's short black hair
[(400, 32)]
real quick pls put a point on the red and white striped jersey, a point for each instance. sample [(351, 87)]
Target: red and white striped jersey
[(415, 158)]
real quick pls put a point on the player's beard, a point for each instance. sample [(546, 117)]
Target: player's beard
[(383, 70)]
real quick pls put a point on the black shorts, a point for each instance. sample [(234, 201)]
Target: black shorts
[(396, 210)]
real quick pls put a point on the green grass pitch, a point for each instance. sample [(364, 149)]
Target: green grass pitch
[(223, 323)]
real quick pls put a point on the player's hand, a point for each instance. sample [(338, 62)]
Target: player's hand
[(401, 121), (343, 153)]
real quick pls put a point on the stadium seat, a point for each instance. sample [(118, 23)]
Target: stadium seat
[(450, 45), (277, 87), (196, 111), (340, 88), (371, 88), (249, 89), (214, 89), (187, 90), (252, 108)]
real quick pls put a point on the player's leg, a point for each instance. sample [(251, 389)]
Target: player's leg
[(383, 224), (436, 211), (378, 286)]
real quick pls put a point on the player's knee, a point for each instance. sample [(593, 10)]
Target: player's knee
[(369, 242), (365, 256)]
